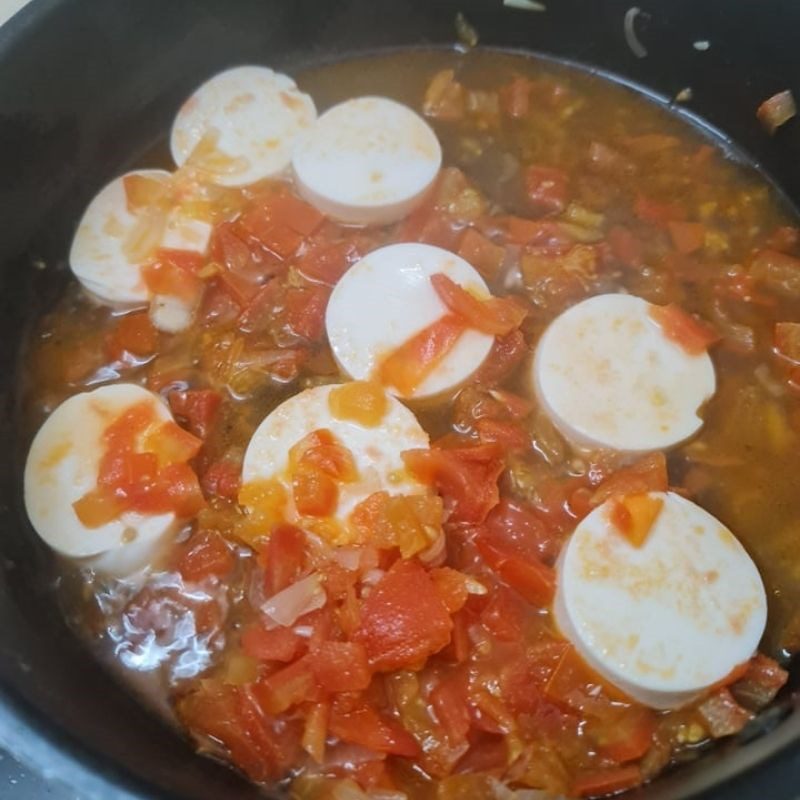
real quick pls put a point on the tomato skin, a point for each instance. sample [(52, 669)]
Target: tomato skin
[(535, 581), (341, 666), (223, 478), (172, 273), (327, 262), (315, 493), (466, 477), (606, 781), (205, 554), (284, 558), (451, 586), (408, 366), (403, 620), (449, 701), (198, 407), (289, 686), (625, 247), (507, 434), (506, 355), (278, 644), (692, 335), (486, 256), (687, 237), (629, 736), (363, 725), (546, 189), (648, 474), (656, 213)]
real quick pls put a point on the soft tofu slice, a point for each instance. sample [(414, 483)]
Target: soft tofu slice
[(376, 450), (608, 377), (386, 298), (97, 256), (257, 114), (63, 465), (367, 161), (665, 621)]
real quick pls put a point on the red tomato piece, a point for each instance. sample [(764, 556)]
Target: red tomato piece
[(451, 586), (629, 735), (449, 701), (656, 213), (496, 316), (466, 477), (99, 507), (625, 247), (364, 726), (507, 434), (223, 478), (503, 616), (517, 528), (287, 687), (284, 559), (197, 407), (603, 782), (305, 311), (172, 444), (172, 272), (546, 188), (261, 746), (341, 666), (181, 487), (506, 355), (535, 581), (327, 262), (403, 620), (278, 644), (133, 334), (315, 493), (723, 715), (648, 474), (687, 237), (284, 208), (486, 256), (515, 97), (408, 366), (690, 333), (205, 554)]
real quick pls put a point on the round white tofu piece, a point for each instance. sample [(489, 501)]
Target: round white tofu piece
[(608, 377), (665, 621), (386, 298), (375, 450), (367, 161), (257, 115), (97, 256), (63, 465)]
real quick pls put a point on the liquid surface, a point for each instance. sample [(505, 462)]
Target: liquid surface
[(631, 166)]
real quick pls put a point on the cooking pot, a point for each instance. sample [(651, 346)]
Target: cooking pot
[(88, 86)]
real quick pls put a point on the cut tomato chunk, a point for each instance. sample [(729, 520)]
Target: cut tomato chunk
[(634, 515), (198, 407), (486, 256), (600, 783), (172, 444), (688, 332), (287, 687), (648, 474), (315, 493), (535, 581), (99, 507), (278, 644), (687, 237), (364, 402), (546, 188), (403, 620), (363, 725), (496, 316), (133, 334), (206, 554), (411, 363), (506, 355), (341, 666), (284, 559)]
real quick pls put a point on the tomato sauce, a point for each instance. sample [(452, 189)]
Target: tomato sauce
[(438, 676)]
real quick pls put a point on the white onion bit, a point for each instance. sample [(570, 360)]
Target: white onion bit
[(635, 45), (291, 603), (702, 45), (525, 5)]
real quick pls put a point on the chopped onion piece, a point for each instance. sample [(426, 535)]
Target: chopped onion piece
[(348, 558), (288, 605), (434, 555), (525, 5), (171, 314), (777, 110), (474, 586), (635, 45), (702, 45), (372, 576), (684, 95)]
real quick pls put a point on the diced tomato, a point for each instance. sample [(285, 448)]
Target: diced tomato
[(223, 478), (172, 444), (444, 97), (322, 452), (516, 528), (634, 516), (315, 493), (687, 237), (278, 644), (197, 407), (315, 731), (282, 207), (466, 477), (364, 726), (305, 311), (403, 620), (364, 402), (723, 715), (264, 748), (451, 586), (173, 273), (506, 355), (656, 213), (287, 687), (625, 247), (411, 363), (142, 191), (546, 188), (496, 316), (449, 701), (648, 474), (527, 231), (787, 340), (284, 559), (341, 666), (205, 554), (515, 97), (762, 680), (133, 334), (509, 435), (265, 501), (629, 735), (534, 580), (606, 781), (327, 262), (503, 616), (219, 307), (486, 256), (98, 507), (182, 490), (691, 334)]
